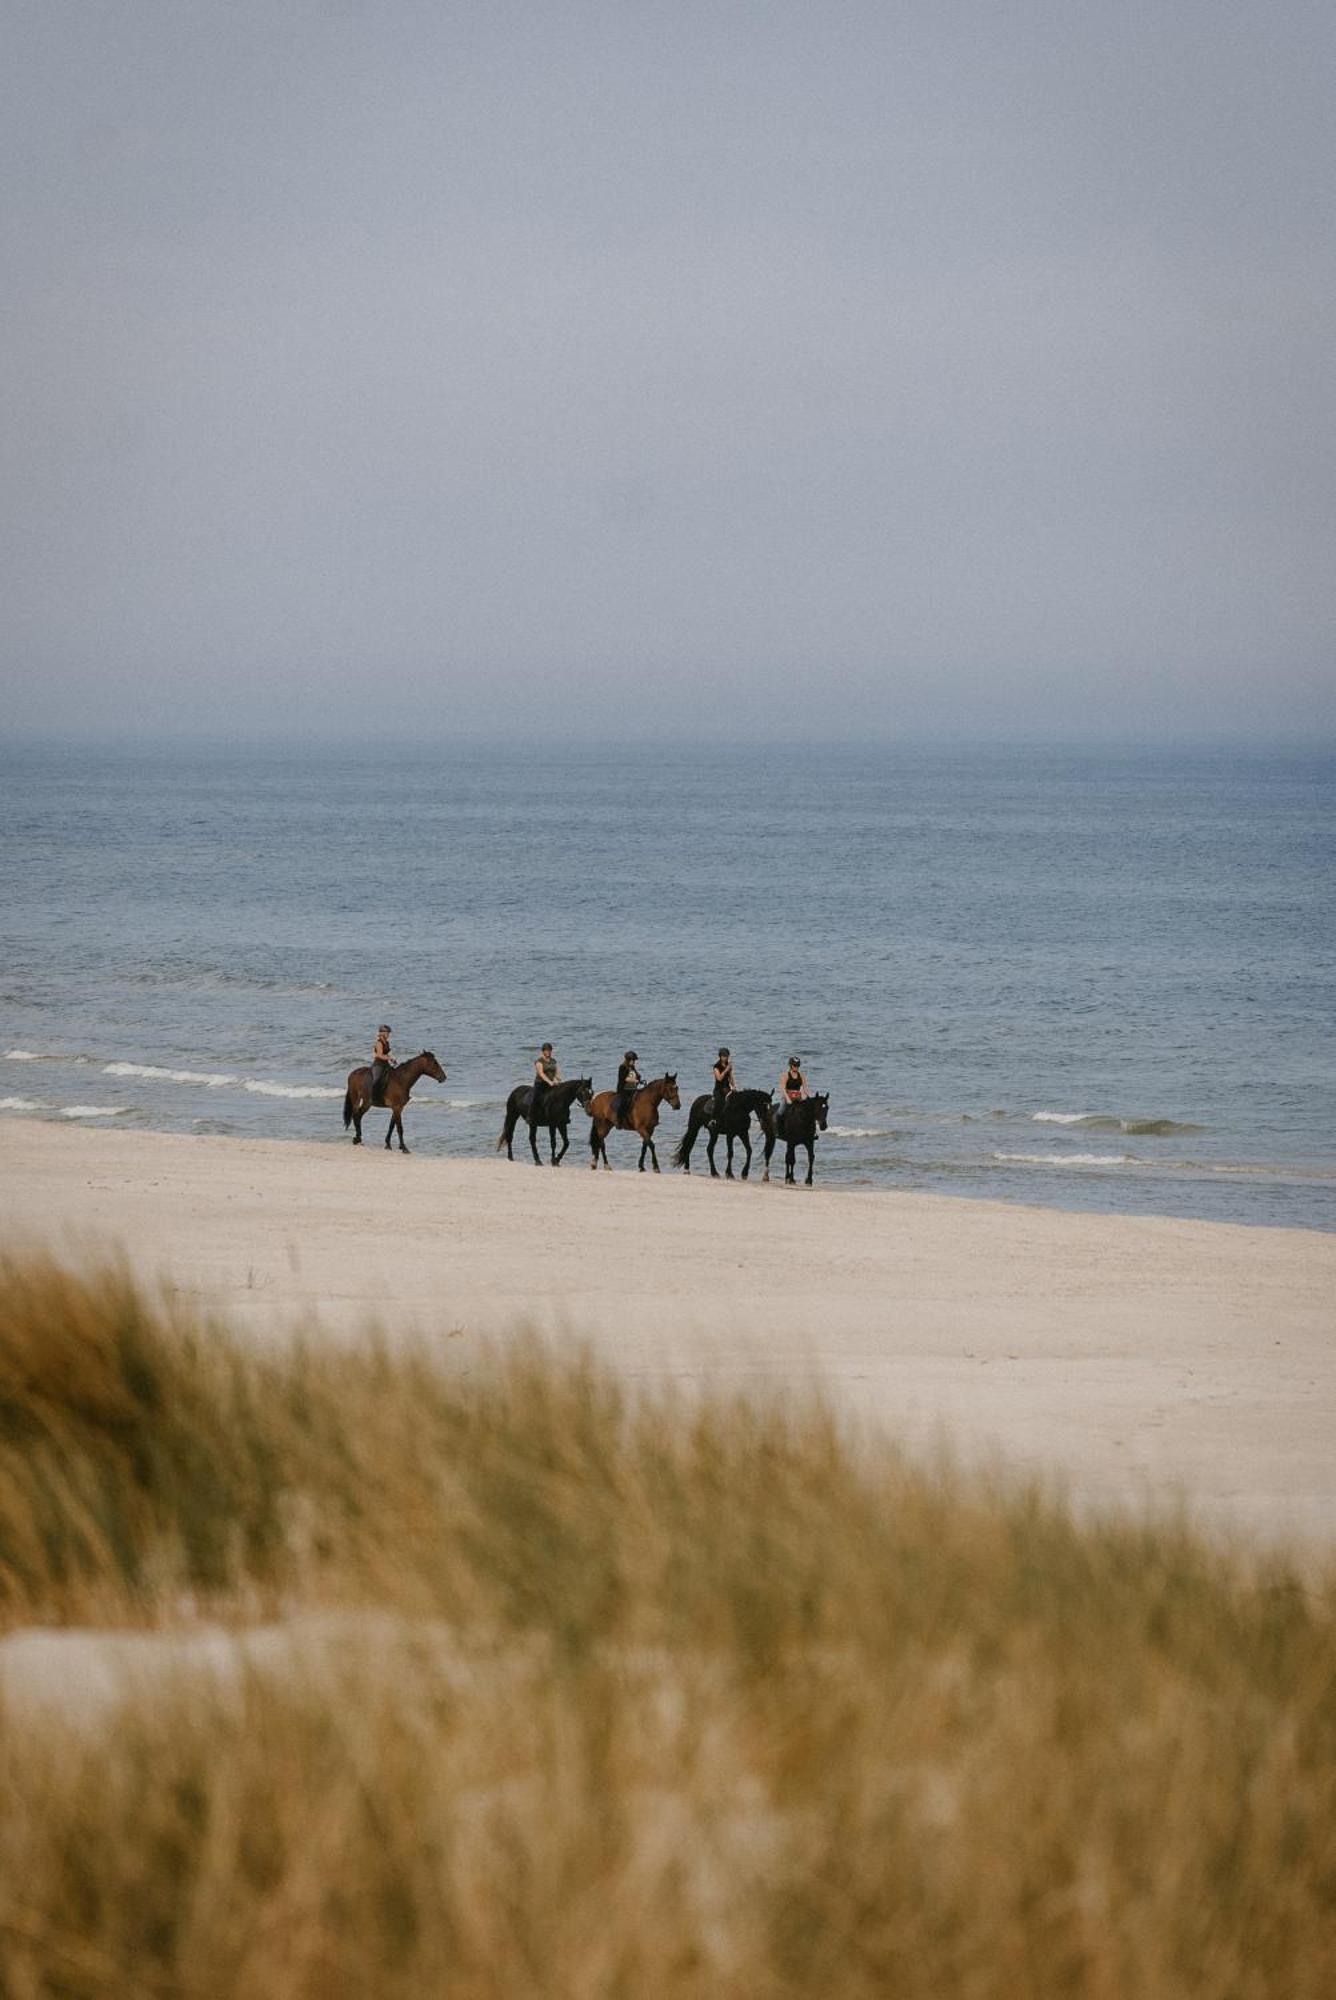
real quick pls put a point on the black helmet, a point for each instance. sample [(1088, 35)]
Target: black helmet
[(722, 1054), (546, 1049), (630, 1056), (384, 1029), (795, 1062)]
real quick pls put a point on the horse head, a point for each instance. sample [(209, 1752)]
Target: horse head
[(430, 1066), (584, 1092), (670, 1091), (820, 1107)]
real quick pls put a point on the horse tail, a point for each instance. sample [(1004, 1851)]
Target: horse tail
[(682, 1151), (347, 1107)]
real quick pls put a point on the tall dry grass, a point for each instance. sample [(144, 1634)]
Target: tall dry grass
[(543, 1686)]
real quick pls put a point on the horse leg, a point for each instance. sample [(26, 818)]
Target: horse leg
[(811, 1159), (728, 1170), (746, 1146), (790, 1160), (359, 1112), (709, 1151), (565, 1145), (533, 1141), (396, 1124), (649, 1147)]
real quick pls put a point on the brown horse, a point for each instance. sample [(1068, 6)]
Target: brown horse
[(642, 1119), (398, 1089)]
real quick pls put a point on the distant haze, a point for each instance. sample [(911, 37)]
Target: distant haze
[(745, 370)]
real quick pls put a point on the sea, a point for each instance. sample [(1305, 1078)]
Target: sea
[(1089, 979)]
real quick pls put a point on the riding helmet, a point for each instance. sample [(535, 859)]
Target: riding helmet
[(722, 1054), (630, 1056)]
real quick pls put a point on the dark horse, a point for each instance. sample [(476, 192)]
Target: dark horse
[(398, 1089), (641, 1118), (733, 1123), (553, 1110), (797, 1125)]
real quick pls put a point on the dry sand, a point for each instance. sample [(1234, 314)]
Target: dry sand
[(1139, 1358)]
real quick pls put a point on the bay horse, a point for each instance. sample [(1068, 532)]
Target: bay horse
[(797, 1125), (553, 1110), (733, 1123), (398, 1089), (642, 1119)]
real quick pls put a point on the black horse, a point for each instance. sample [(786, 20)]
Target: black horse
[(733, 1123), (553, 1110), (797, 1124)]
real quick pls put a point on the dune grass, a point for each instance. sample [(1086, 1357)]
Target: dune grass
[(569, 1689)]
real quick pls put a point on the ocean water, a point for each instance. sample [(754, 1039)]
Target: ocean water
[(1087, 979)]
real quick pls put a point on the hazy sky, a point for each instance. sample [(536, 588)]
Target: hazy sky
[(733, 369)]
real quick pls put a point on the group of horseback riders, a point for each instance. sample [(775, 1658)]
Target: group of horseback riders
[(547, 1072), (633, 1105)]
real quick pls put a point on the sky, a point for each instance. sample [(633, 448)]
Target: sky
[(736, 371)]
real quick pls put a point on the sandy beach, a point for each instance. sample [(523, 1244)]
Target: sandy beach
[(1139, 1359)]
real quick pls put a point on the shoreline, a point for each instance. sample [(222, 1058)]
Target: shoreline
[(1141, 1360)]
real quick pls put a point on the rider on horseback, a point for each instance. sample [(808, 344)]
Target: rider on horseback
[(792, 1087), (546, 1072), (381, 1064), (629, 1081), (724, 1081)]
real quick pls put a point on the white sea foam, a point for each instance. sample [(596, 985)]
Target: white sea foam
[(19, 1104), (91, 1110), (21, 1055), (1063, 1117), (859, 1132), (212, 1078), (1068, 1159), (263, 1089)]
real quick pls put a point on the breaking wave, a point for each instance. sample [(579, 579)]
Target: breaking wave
[(1099, 1121), (260, 1088), (861, 1132), (92, 1110), (19, 1104), (213, 1079), (1067, 1159)]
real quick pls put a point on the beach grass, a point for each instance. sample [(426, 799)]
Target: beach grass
[(522, 1680)]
